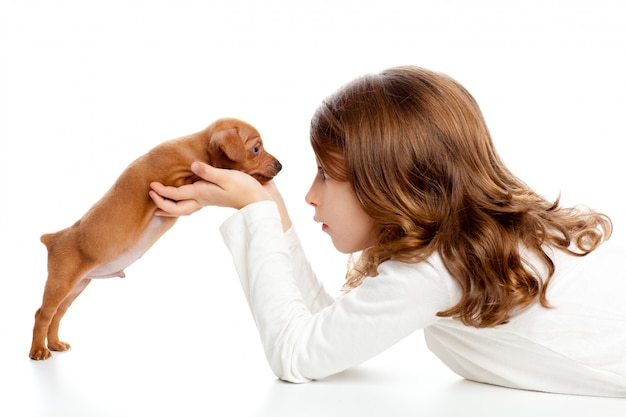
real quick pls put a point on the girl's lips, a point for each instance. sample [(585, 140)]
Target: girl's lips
[(324, 225)]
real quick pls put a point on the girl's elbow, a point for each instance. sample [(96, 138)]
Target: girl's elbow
[(289, 376)]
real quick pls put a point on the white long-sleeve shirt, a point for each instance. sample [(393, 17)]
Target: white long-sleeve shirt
[(576, 347)]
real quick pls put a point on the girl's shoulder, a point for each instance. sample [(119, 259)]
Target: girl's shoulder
[(596, 280), (428, 280)]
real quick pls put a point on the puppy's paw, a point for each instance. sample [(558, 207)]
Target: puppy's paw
[(59, 346), (39, 354)]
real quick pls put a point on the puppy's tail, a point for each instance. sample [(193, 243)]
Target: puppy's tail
[(46, 239)]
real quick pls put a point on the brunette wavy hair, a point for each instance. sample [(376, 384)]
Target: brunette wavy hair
[(415, 147)]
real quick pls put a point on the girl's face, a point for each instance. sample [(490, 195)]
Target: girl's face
[(340, 213)]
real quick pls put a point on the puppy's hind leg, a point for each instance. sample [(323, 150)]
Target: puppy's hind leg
[(53, 331), (66, 280)]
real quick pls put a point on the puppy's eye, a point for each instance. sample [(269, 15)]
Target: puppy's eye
[(256, 150)]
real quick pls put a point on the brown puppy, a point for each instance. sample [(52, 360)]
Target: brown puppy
[(121, 226)]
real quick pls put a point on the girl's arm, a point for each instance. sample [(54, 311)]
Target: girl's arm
[(303, 343)]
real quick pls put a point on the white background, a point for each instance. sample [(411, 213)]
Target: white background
[(88, 86)]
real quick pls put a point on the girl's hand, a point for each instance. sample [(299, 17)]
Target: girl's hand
[(221, 187)]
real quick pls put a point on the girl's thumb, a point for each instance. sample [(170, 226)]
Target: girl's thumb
[(202, 170)]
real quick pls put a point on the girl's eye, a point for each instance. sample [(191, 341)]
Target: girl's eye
[(322, 173)]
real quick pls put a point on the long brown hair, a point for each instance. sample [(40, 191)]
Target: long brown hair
[(415, 147)]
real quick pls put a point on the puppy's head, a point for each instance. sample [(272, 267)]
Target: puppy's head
[(234, 144)]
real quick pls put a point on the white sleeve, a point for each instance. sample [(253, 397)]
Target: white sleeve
[(311, 289), (302, 344)]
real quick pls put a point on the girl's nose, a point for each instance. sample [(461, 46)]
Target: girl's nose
[(309, 197)]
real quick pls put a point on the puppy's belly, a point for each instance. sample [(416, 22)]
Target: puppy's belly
[(115, 268)]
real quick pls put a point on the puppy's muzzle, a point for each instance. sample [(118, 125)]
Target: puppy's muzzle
[(269, 173)]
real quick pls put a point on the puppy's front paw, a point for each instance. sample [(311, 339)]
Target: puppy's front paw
[(59, 346), (39, 354)]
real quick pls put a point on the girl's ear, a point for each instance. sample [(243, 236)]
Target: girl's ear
[(229, 143)]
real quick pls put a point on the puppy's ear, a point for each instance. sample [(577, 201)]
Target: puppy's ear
[(229, 143)]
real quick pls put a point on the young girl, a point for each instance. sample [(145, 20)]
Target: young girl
[(510, 289)]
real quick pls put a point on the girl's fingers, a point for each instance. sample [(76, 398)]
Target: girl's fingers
[(173, 193), (170, 208)]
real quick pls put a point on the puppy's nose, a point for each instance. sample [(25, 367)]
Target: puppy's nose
[(278, 166)]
